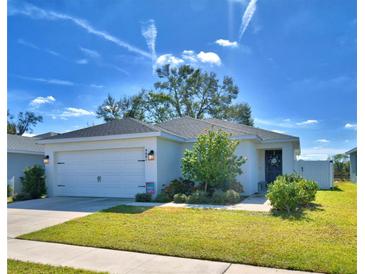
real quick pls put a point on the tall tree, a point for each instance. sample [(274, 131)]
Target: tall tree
[(193, 92), (25, 123), (182, 91), (11, 126), (239, 113), (112, 108)]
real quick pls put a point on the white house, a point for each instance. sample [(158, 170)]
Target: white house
[(23, 152), (353, 164), (119, 158)]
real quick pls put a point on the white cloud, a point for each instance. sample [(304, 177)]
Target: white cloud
[(91, 53), (323, 141), (149, 32), (42, 100), (96, 86), (247, 16), (279, 131), (52, 52), (26, 134), (169, 59), (82, 61), (35, 12), (351, 126), (226, 43), (284, 123), (320, 153), (27, 44), (189, 55), (307, 122), (48, 81), (75, 112), (209, 57)]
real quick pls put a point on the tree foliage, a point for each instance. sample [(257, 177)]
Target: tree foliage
[(212, 161), (180, 91), (341, 166), (34, 181), (25, 122)]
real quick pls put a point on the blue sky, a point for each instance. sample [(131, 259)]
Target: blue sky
[(294, 60)]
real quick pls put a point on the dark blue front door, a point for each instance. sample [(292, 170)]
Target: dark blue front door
[(273, 165)]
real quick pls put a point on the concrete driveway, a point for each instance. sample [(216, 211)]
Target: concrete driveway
[(28, 216)]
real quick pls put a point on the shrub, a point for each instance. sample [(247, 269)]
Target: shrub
[(179, 186), (143, 197), (212, 161), (198, 197), (291, 192), (232, 197), (218, 197), (180, 198), (22, 197), (34, 182), (235, 185), (307, 191), (163, 198)]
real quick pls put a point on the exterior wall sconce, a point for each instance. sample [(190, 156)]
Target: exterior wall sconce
[(46, 159), (151, 155)]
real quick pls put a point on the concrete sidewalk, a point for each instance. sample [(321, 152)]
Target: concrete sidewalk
[(252, 203), (115, 261)]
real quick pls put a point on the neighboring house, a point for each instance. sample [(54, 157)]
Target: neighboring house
[(118, 158), (353, 164), (22, 152)]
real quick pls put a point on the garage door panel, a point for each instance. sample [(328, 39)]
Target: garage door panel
[(100, 173), (101, 168)]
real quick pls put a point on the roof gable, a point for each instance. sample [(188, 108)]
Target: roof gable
[(116, 127), (22, 144)]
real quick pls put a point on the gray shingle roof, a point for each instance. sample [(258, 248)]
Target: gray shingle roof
[(262, 133), (45, 135), (23, 144), (116, 127), (186, 127), (190, 128)]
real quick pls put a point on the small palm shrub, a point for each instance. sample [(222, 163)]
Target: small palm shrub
[(180, 198), (34, 181), (218, 197), (291, 192), (232, 197), (162, 198), (198, 197), (143, 197), (179, 186)]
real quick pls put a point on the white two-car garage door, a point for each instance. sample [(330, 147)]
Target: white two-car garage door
[(100, 173)]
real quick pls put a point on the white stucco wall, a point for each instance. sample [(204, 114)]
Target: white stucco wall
[(17, 162), (353, 166), (149, 143), (249, 177), (169, 154)]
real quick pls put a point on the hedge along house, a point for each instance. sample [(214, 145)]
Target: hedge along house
[(122, 157)]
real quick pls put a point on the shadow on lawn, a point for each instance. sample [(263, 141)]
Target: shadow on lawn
[(300, 214), (335, 188), (128, 209)]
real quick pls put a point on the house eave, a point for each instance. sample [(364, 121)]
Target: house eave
[(111, 137), (19, 151)]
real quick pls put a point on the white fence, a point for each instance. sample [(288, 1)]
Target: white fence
[(319, 171)]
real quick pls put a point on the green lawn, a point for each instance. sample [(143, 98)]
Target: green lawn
[(322, 239), (19, 267)]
